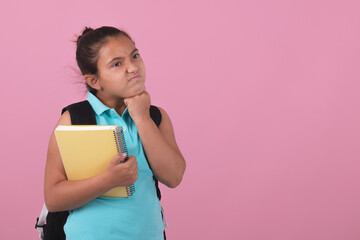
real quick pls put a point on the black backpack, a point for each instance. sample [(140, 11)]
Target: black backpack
[(82, 113)]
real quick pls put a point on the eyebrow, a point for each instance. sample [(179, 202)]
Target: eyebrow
[(122, 58)]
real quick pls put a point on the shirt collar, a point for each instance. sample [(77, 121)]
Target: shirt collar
[(96, 104)]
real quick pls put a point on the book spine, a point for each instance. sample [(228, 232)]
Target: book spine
[(117, 140), (129, 189), (123, 144)]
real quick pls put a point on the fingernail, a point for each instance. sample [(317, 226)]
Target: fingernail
[(123, 154)]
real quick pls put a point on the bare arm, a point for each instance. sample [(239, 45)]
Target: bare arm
[(62, 194), (161, 149), (163, 154)]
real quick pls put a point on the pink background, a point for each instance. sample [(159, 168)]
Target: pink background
[(263, 95)]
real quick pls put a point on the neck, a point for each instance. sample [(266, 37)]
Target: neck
[(115, 103)]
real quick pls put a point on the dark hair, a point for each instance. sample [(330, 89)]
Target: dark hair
[(88, 47)]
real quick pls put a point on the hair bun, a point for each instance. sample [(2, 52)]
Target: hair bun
[(85, 31)]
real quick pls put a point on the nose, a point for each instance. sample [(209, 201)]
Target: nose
[(131, 67)]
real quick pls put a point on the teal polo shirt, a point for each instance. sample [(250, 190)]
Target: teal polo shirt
[(136, 217)]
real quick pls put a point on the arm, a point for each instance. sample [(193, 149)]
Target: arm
[(160, 145), (62, 194), (161, 149)]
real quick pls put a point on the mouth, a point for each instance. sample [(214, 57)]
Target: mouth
[(136, 77)]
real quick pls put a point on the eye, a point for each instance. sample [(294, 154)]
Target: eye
[(137, 55), (117, 64)]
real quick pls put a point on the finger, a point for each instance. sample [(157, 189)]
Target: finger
[(115, 161), (132, 162), (124, 157)]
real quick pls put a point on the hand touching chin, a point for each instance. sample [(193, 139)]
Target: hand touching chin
[(138, 106)]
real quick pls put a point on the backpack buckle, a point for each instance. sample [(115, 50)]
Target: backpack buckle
[(37, 224)]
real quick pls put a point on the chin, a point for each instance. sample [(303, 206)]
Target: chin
[(139, 89)]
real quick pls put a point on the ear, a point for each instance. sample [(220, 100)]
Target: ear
[(93, 81)]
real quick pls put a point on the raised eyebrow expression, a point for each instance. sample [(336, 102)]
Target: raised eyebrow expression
[(122, 58)]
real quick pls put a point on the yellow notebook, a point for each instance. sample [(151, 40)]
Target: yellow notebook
[(86, 151)]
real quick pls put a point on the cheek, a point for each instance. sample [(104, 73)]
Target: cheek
[(142, 66), (120, 80)]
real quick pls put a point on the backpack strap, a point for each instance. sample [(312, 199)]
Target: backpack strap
[(155, 115), (81, 113)]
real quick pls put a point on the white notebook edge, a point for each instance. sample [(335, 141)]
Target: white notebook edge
[(85, 127)]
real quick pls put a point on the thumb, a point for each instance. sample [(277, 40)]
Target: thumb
[(119, 158)]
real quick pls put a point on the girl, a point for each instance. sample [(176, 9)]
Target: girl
[(114, 73)]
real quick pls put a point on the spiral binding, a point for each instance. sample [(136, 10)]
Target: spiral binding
[(130, 189), (117, 142), (125, 150)]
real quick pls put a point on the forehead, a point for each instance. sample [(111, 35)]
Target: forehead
[(119, 46)]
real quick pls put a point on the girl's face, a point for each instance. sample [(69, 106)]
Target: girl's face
[(121, 70)]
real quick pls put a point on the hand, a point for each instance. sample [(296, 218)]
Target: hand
[(122, 174), (139, 106)]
